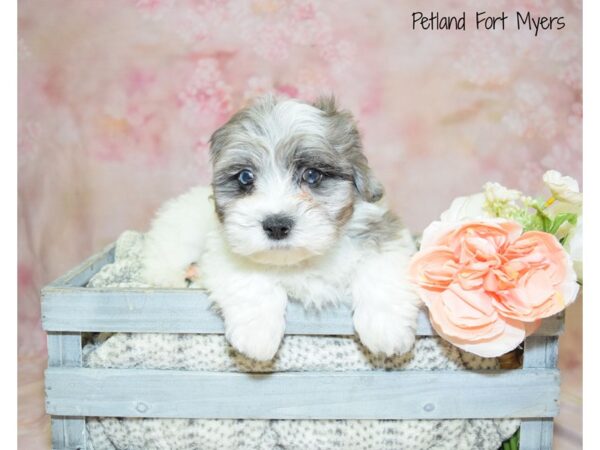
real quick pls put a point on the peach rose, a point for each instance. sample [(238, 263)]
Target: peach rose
[(488, 285)]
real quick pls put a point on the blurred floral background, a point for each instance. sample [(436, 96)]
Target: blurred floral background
[(117, 101)]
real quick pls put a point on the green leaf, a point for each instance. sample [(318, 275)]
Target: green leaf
[(544, 220), (560, 219), (547, 223), (532, 222), (513, 442)]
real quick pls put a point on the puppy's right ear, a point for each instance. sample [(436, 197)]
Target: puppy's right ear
[(345, 138)]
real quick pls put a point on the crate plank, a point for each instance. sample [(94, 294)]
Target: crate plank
[(188, 311), (74, 392), (81, 274), (540, 352), (64, 350), (536, 434), (68, 306), (302, 395)]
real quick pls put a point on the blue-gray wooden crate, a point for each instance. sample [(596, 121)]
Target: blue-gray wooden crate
[(73, 392)]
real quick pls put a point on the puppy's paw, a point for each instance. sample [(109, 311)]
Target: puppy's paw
[(257, 339), (383, 333)]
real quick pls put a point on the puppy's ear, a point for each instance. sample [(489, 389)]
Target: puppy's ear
[(345, 138), (369, 187)]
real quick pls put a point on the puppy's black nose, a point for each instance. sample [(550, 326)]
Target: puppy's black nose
[(278, 226)]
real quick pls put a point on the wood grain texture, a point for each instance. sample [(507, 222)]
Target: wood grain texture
[(302, 395), (540, 352), (80, 275), (536, 434), (68, 306), (188, 311), (73, 392), (64, 351)]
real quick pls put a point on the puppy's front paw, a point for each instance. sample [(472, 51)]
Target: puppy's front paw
[(383, 333), (257, 339)]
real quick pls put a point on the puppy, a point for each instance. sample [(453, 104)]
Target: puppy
[(294, 211)]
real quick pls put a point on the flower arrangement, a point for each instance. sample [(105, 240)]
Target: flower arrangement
[(498, 262)]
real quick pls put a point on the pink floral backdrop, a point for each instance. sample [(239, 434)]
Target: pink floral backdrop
[(117, 100)]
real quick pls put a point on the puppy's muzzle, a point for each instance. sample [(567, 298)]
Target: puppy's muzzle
[(278, 226)]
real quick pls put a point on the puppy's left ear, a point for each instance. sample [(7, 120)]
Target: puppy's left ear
[(345, 138), (369, 187)]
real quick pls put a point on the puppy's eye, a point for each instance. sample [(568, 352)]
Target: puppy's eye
[(246, 177), (312, 176)]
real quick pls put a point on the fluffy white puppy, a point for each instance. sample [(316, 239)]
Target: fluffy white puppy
[(294, 211)]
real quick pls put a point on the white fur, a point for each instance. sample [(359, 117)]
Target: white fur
[(252, 296), (276, 193), (314, 233), (289, 117), (330, 255), (178, 236)]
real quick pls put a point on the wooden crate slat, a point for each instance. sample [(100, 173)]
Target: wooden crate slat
[(188, 311), (68, 433), (74, 392), (536, 434), (302, 395), (64, 350), (540, 352), (81, 274)]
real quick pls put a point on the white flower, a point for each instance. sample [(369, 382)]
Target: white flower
[(574, 246), (563, 188), (468, 207), (501, 201), (495, 192)]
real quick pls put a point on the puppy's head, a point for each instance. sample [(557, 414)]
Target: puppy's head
[(286, 177)]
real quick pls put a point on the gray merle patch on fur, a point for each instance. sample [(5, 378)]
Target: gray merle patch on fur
[(338, 154), (377, 230), (344, 136)]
